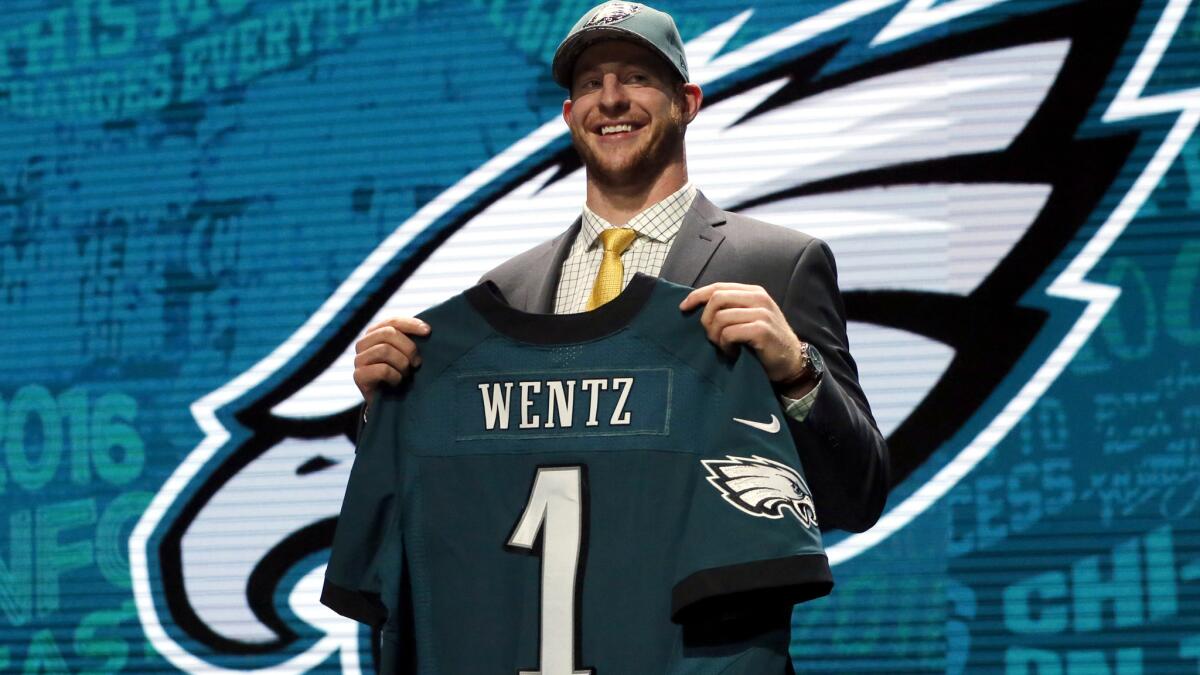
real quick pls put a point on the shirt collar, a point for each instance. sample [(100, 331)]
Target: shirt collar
[(659, 221)]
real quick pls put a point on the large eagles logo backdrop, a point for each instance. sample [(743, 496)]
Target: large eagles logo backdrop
[(207, 202)]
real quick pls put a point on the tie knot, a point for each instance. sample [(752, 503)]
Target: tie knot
[(617, 239)]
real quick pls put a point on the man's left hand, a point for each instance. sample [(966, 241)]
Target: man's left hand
[(745, 314)]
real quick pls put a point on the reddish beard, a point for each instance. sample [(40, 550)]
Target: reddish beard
[(644, 163)]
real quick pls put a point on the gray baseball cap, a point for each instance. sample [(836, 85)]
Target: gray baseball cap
[(616, 20)]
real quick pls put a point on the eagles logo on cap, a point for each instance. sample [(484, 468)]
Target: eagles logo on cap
[(613, 12), (617, 20)]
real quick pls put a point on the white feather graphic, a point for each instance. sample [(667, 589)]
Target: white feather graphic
[(971, 104), (895, 118), (220, 562)]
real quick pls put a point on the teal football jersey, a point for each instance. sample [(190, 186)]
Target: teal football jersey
[(599, 493)]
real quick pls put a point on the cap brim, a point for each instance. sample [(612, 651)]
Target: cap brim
[(568, 52)]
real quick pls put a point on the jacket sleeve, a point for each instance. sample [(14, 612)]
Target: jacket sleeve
[(843, 451)]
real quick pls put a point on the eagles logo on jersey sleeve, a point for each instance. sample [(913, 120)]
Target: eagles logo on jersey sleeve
[(762, 487)]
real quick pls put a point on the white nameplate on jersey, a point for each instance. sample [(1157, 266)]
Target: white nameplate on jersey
[(564, 403), (762, 487)]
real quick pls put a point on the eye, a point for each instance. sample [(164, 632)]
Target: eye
[(588, 84), (315, 464)]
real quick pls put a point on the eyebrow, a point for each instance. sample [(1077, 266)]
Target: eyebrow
[(641, 67)]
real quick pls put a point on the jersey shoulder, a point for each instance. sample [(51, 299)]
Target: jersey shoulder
[(455, 329), (681, 334)]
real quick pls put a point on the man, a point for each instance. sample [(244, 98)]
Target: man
[(769, 288)]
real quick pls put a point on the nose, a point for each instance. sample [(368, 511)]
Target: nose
[(613, 97)]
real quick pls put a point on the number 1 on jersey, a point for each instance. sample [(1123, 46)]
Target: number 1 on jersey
[(556, 506)]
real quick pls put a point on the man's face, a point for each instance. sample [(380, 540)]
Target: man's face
[(627, 113)]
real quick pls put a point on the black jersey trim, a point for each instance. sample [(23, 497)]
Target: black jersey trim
[(746, 588), (362, 607), (549, 329)]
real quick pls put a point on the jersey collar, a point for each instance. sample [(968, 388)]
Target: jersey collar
[(548, 329)]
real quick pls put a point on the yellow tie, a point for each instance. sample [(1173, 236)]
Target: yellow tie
[(608, 280)]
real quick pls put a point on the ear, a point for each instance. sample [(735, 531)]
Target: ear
[(692, 98), (567, 111)]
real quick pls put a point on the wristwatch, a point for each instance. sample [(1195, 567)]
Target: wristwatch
[(814, 365)]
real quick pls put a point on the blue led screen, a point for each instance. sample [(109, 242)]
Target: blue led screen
[(204, 202)]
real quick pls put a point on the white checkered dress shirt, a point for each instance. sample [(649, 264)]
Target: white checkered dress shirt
[(656, 228)]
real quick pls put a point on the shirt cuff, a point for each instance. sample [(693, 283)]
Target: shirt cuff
[(797, 408)]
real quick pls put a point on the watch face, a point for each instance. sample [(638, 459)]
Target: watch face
[(815, 363)]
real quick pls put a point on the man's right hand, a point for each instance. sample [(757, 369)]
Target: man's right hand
[(385, 355)]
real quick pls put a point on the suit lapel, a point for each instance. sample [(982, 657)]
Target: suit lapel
[(544, 295), (697, 240)]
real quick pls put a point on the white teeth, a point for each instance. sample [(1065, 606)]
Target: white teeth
[(615, 128)]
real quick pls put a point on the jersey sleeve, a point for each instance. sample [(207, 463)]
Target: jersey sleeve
[(751, 542), (365, 563)]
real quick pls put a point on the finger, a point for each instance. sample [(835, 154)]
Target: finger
[(729, 298), (389, 339), (404, 324), (704, 293), (718, 321), (733, 316), (369, 378), (384, 353), (740, 333), (391, 336), (697, 297)]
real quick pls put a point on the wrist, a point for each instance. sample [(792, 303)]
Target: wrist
[(806, 375), (796, 390), (798, 386)]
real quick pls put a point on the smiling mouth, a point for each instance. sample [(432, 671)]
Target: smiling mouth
[(616, 129)]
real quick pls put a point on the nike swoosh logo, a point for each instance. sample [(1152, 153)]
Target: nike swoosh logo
[(769, 427)]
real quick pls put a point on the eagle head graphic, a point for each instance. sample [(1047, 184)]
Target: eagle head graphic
[(762, 487), (962, 142)]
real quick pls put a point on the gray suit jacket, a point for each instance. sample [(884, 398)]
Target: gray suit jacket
[(843, 453)]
